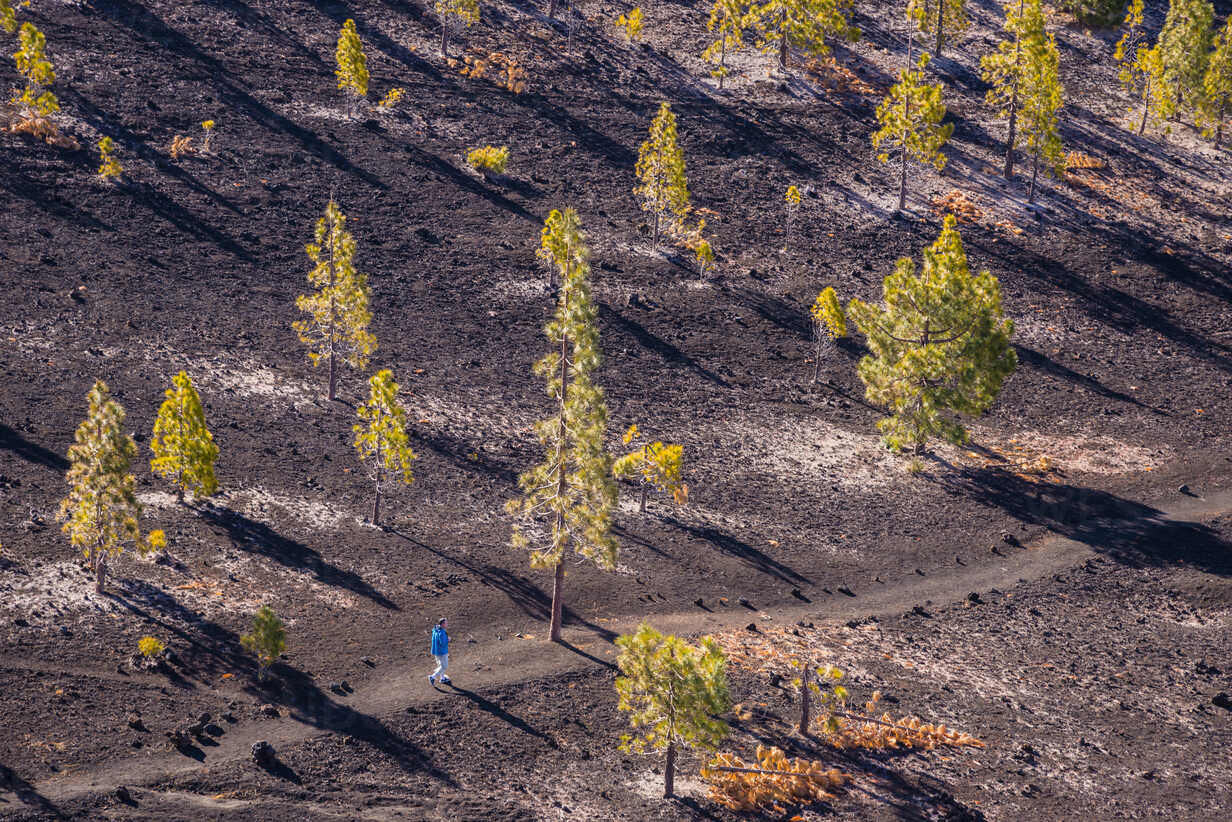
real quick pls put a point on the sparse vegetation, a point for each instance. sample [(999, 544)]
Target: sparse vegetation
[(726, 23), (662, 188), (455, 16), (910, 117), (488, 159), (109, 167), (945, 19), (770, 783), (207, 144), (655, 465), (829, 324), (266, 641), (381, 440), (631, 24), (184, 449), (391, 99), (792, 201), (36, 99), (781, 25), (352, 70), (150, 647)]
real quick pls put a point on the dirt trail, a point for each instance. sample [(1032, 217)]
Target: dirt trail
[(511, 660)]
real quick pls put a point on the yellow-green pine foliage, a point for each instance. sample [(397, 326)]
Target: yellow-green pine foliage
[(944, 18), (1185, 46), (150, 647), (1005, 69), (1041, 103), (8, 18), (674, 694), (727, 24), (662, 188), (1217, 85), (352, 71), (804, 24), (109, 167), (455, 14), (101, 510), (940, 345), (829, 324), (267, 640), (568, 499), (208, 127), (391, 98), (656, 466), (1140, 69), (792, 200), (337, 326), (488, 158), (184, 449), (1127, 47), (32, 62), (910, 118), (381, 438), (631, 23)]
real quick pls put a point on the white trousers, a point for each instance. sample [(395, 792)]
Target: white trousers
[(442, 665)]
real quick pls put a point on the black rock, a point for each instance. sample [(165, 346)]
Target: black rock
[(179, 739), (843, 589), (21, 623), (262, 752), (974, 598), (204, 718), (1222, 700), (1184, 489), (346, 686), (197, 729), (752, 626), (368, 661), (698, 602), (1008, 538), (134, 722), (214, 729), (743, 601), (122, 794), (270, 711)]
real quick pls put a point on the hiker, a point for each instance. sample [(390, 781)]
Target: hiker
[(440, 650)]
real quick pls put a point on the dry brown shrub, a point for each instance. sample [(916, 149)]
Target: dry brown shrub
[(769, 782), (498, 68), (180, 146), (41, 128), (833, 76), (959, 204), (843, 729), (1080, 159)]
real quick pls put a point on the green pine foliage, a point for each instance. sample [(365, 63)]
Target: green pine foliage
[(1095, 12), (1185, 46), (910, 117), (945, 19), (1217, 85), (381, 438), (336, 328), (674, 694), (1140, 68), (726, 23), (781, 25), (1006, 69), (101, 510), (1042, 98), (109, 167), (8, 17), (662, 188), (455, 15), (940, 345), (267, 641), (352, 71), (654, 465), (35, 100), (568, 499), (829, 325), (184, 449)]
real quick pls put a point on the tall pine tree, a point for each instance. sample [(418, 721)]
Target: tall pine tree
[(568, 499), (101, 510), (1185, 46), (940, 345), (1217, 85), (337, 326), (380, 438), (662, 188), (1004, 69), (184, 449), (352, 71), (945, 19), (726, 23), (804, 24), (1041, 103), (910, 117)]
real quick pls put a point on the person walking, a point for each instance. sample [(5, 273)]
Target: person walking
[(440, 650)]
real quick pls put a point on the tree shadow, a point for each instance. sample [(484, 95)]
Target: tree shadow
[(732, 546), (43, 197), (10, 440), (26, 794), (658, 345), (490, 707), (257, 537), (278, 769), (603, 663), (1047, 365)]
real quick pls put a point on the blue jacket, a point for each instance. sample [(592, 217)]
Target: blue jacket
[(440, 641)]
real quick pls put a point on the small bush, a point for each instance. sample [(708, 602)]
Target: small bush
[(631, 23), (488, 159), (150, 647), (208, 127), (156, 541), (267, 641), (110, 167), (391, 99)]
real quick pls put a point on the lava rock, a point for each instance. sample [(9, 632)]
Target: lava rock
[(698, 602), (262, 752), (752, 626), (122, 794), (269, 711), (1008, 538), (1222, 700), (745, 602), (974, 598), (367, 660), (134, 722)]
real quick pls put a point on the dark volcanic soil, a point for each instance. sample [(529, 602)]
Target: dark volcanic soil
[(1117, 285)]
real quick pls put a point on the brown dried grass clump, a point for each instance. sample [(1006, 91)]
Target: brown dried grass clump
[(180, 146), (770, 782), (498, 68), (834, 76), (959, 204), (41, 128)]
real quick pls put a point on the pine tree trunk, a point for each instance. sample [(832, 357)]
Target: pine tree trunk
[(1146, 106), (902, 183), (1013, 133), (641, 506), (376, 501), (558, 580), (722, 62), (805, 707), (1219, 127), (669, 772), (444, 38), (558, 608), (940, 24), (783, 39), (654, 240), (333, 321), (1034, 177), (100, 569)]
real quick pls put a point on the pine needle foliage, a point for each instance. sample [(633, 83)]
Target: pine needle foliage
[(568, 499), (101, 510), (1042, 98), (488, 159), (781, 25), (673, 692), (336, 329), (654, 465), (150, 647), (352, 71), (1006, 69), (946, 19), (184, 449), (631, 24), (267, 640), (771, 782), (381, 438), (1217, 86), (791, 202), (910, 117), (662, 188), (726, 23), (940, 345), (109, 167), (35, 100), (1185, 47), (829, 325), (455, 15), (8, 17)]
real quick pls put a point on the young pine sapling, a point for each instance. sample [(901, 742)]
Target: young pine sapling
[(381, 439), (662, 187), (184, 449), (267, 641), (654, 465), (829, 325)]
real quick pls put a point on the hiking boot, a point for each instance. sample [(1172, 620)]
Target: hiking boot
[(431, 679), (445, 680)]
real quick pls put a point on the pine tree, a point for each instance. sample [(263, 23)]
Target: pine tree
[(727, 24), (1185, 46), (674, 693), (1041, 103), (662, 188), (939, 344), (109, 167), (101, 510), (655, 465), (1217, 85), (457, 14), (1004, 69), (829, 325), (804, 24), (8, 18), (1140, 69), (338, 326), (183, 447), (31, 58), (352, 71), (791, 202), (910, 118), (944, 18), (568, 499), (267, 641), (382, 441)]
